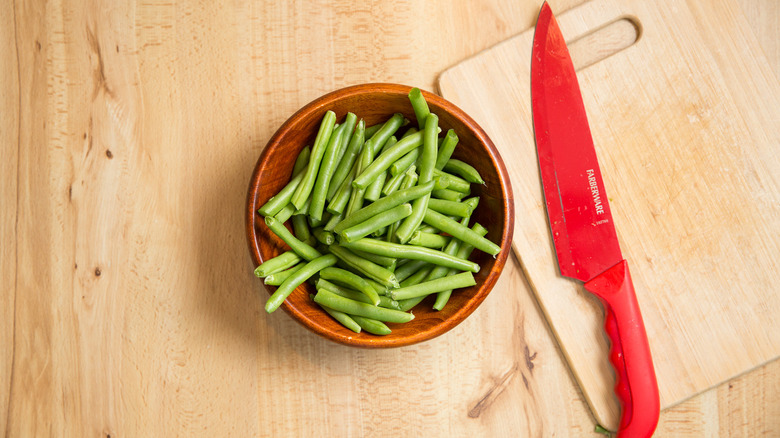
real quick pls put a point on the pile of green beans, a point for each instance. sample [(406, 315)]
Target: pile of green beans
[(379, 218)]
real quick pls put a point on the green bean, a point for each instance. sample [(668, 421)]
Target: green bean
[(350, 122), (327, 167), (384, 301), (417, 277), (379, 260), (453, 208), (419, 105), (318, 150), (365, 267), (384, 204), (285, 213), (343, 194), (464, 170), (447, 194), (295, 280), (277, 278), (461, 232), (347, 161), (472, 203), (279, 263), (441, 182), (282, 198), (322, 236), (356, 308), (403, 163), (376, 141), (372, 326), (410, 179), (412, 252), (314, 222), (302, 249), (464, 279), (334, 220), (341, 317), (350, 280), (447, 146), (454, 182), (371, 130), (302, 160), (374, 223), (407, 269), (393, 184), (300, 227), (427, 161), (428, 240), (358, 193), (304, 210), (384, 160), (407, 305), (464, 251)]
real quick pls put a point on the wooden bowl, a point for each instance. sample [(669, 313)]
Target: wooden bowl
[(375, 103)]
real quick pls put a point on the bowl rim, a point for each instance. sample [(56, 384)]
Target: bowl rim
[(506, 237)]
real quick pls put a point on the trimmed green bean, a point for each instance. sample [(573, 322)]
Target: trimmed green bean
[(365, 267), (358, 193), (347, 161), (403, 163), (374, 190), (300, 248), (300, 227), (464, 279), (302, 161), (426, 162), (386, 159), (350, 121), (342, 318), (376, 141), (379, 260), (282, 198), (454, 182), (372, 326), (425, 228), (374, 223), (277, 278), (461, 232), (285, 213), (322, 236), (327, 167), (450, 208), (343, 194), (384, 204), (384, 301), (407, 305), (428, 240), (447, 194), (371, 130), (419, 105), (304, 210), (410, 179), (349, 279), (295, 280), (464, 170), (417, 277), (393, 184), (464, 251), (334, 220), (283, 261), (318, 150), (412, 252), (447, 146), (356, 308), (410, 267)]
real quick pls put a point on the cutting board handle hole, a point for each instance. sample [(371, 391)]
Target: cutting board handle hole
[(604, 41)]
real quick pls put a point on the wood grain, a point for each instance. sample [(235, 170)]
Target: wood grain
[(170, 339), (677, 128)]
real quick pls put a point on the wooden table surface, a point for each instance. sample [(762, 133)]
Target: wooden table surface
[(128, 306)]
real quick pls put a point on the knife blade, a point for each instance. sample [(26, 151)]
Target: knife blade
[(581, 223)]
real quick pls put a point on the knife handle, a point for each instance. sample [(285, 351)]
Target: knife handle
[(636, 386)]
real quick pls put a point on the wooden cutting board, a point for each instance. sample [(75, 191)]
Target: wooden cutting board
[(685, 121)]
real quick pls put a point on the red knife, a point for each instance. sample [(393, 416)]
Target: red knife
[(581, 222)]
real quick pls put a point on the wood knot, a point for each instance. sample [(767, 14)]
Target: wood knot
[(109, 154), (97, 272)]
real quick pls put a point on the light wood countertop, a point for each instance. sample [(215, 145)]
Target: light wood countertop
[(128, 306)]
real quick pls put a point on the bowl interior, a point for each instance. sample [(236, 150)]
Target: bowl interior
[(375, 103)]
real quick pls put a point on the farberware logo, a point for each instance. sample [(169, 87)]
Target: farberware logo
[(594, 191)]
